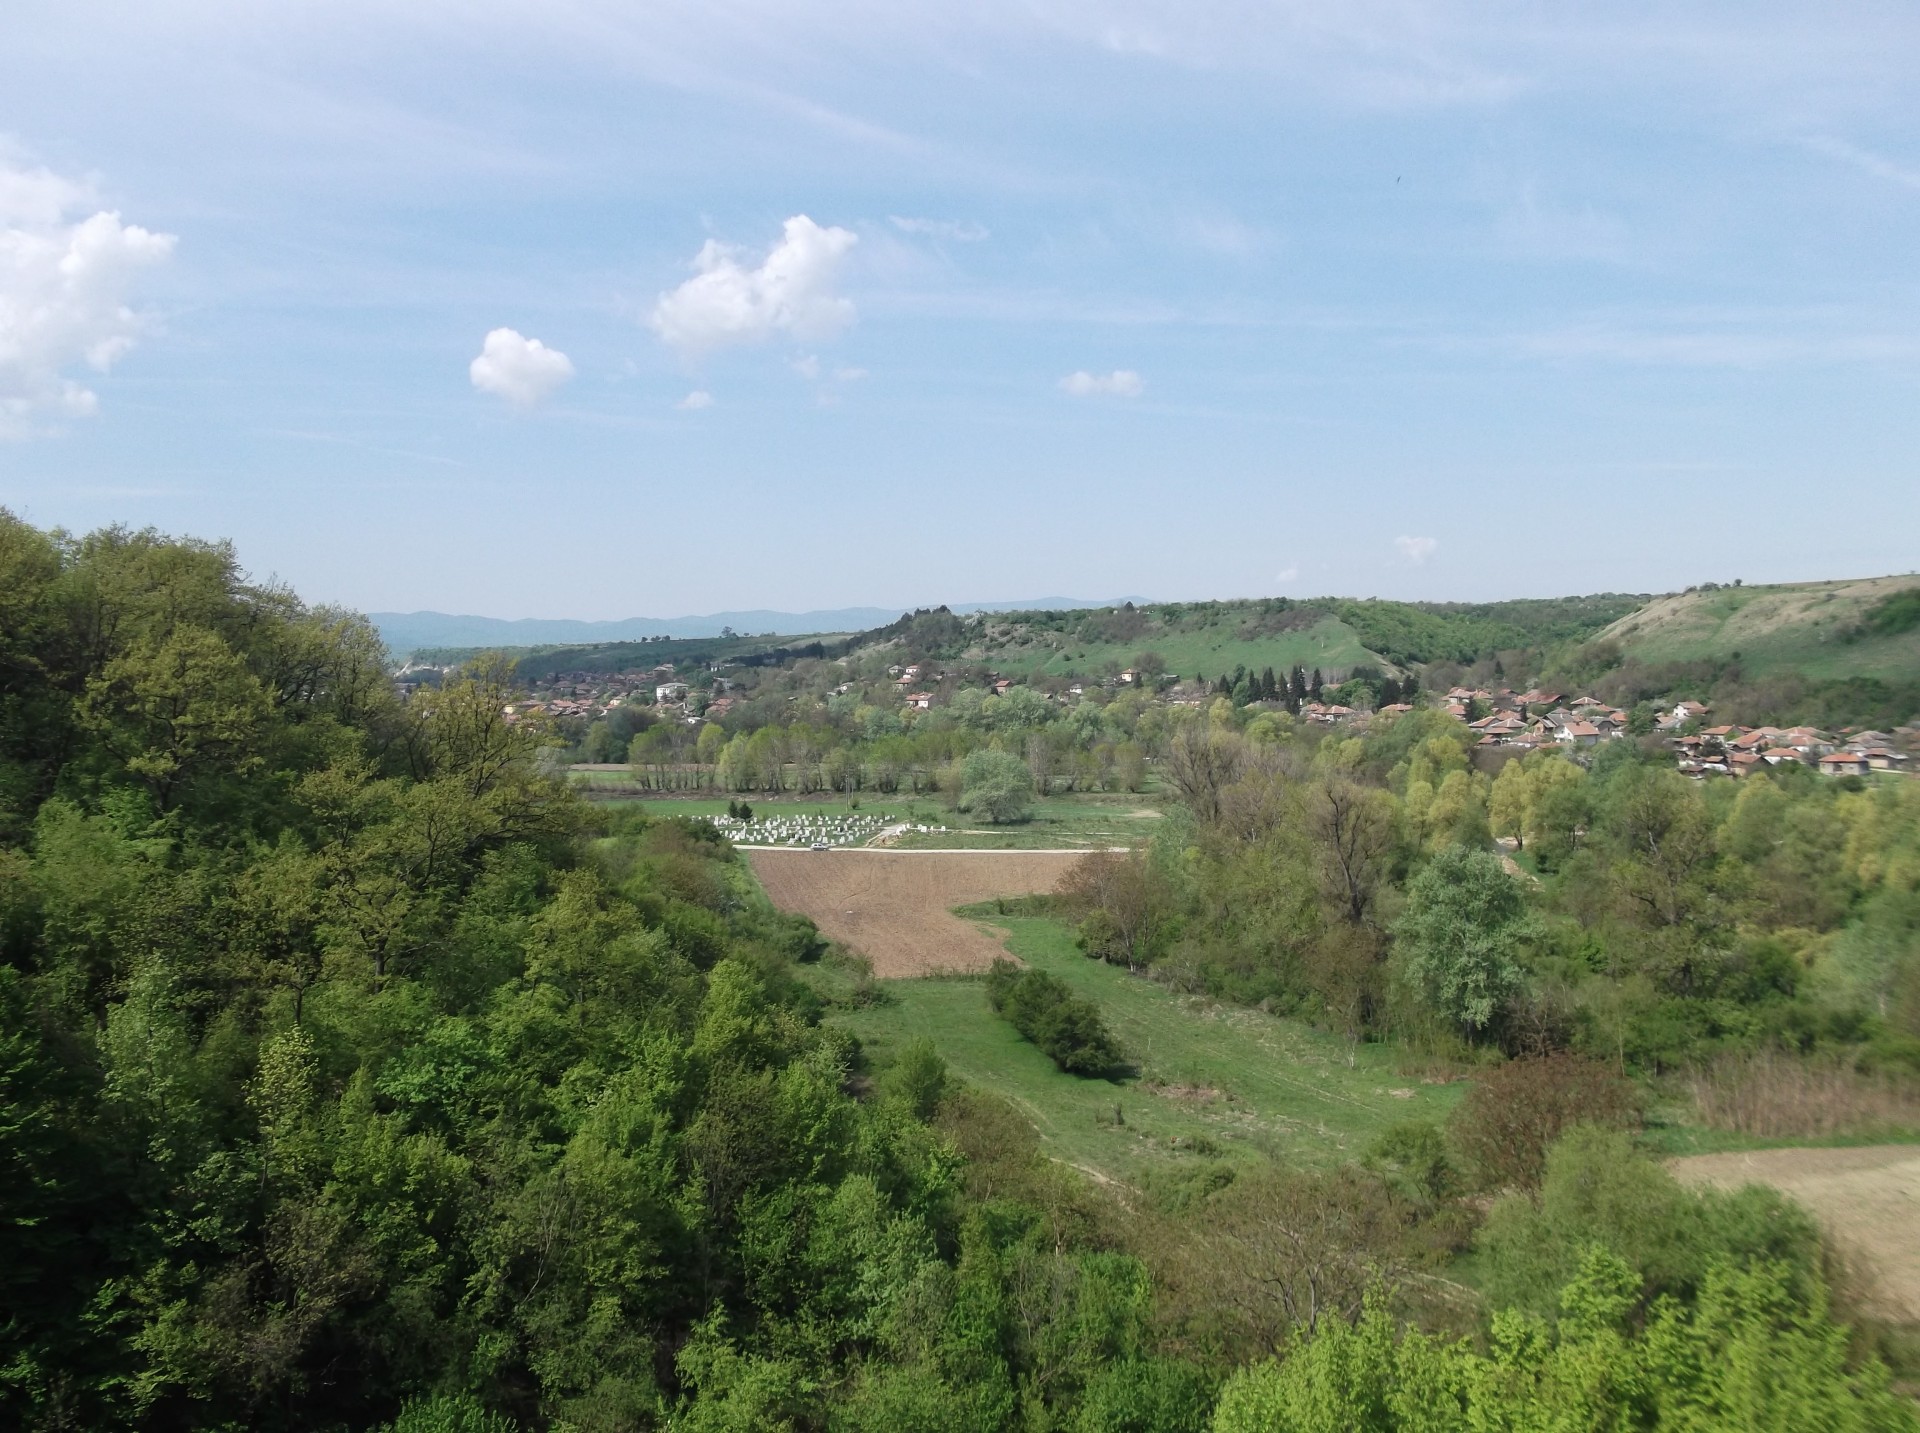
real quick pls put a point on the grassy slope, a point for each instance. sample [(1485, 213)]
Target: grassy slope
[(1329, 644), (1293, 1093), (1791, 628)]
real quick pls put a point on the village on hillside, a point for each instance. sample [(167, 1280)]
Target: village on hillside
[(1506, 723)]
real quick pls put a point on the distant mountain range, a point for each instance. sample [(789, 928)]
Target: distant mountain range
[(412, 631)]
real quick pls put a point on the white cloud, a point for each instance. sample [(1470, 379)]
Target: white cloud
[(695, 401), (1878, 165), (1121, 383), (65, 282), (1287, 574), (1416, 549), (954, 230), (790, 292), (522, 370)]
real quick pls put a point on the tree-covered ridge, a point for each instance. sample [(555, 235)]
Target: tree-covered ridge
[(533, 664), (342, 1066)]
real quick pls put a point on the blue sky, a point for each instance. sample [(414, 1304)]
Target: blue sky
[(598, 310)]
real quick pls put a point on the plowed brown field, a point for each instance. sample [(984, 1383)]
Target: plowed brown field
[(1867, 1198), (895, 907)]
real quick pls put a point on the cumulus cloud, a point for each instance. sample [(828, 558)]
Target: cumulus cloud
[(1121, 383), (65, 285), (953, 230), (695, 401), (730, 301), (1287, 574), (522, 370), (1416, 549)]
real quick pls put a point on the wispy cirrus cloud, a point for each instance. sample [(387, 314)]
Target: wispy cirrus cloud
[(1865, 160), (1121, 383), (954, 230)]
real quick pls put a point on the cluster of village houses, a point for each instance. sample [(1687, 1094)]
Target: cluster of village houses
[(1518, 721), (1535, 719)]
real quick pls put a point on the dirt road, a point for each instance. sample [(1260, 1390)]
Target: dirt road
[(895, 907)]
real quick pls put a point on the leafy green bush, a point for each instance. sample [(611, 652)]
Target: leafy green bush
[(1065, 1027), (1897, 612), (1146, 1395), (457, 1414), (918, 1078), (997, 785), (1599, 1190), (1749, 1356)]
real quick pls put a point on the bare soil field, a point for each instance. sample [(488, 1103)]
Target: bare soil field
[(896, 907), (1867, 1198)]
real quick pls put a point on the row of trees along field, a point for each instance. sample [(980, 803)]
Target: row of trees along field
[(354, 1077), (791, 733)]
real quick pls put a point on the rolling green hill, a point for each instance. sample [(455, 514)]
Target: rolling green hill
[(1823, 631), (1334, 634)]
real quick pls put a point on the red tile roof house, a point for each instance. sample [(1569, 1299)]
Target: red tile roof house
[(1776, 755), (1844, 763), (920, 701), (1806, 738), (1740, 763), (1578, 733)]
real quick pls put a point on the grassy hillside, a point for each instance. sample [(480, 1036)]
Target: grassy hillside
[(1192, 638), (1819, 630), (1215, 1081)]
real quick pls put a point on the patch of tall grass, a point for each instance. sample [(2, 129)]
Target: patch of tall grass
[(1773, 1095)]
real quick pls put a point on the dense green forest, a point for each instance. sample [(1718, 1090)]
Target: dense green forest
[(353, 1076)]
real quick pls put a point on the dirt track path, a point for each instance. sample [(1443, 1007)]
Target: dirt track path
[(895, 907), (1868, 1199)]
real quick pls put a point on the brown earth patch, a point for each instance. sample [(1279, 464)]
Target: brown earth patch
[(896, 907), (1867, 1198)]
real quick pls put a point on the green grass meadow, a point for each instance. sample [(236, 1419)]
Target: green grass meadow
[(1213, 1081)]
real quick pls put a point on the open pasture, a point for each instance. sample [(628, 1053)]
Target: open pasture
[(1213, 1081), (896, 907)]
